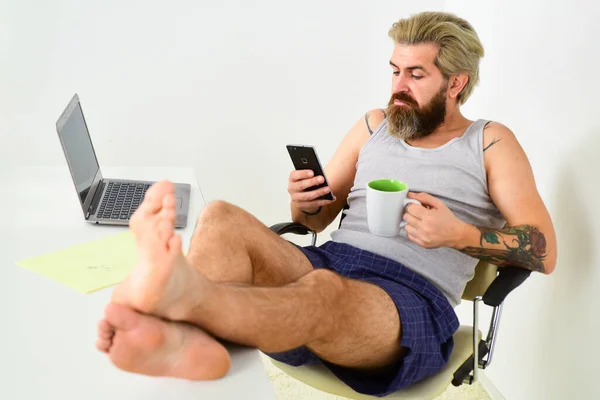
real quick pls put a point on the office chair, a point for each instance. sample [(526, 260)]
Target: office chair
[(489, 285)]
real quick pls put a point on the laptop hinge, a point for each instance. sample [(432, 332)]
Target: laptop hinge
[(96, 199)]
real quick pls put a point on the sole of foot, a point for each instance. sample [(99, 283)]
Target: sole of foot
[(151, 346)]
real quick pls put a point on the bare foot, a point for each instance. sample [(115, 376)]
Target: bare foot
[(148, 345), (162, 283)]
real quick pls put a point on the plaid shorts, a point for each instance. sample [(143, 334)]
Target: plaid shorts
[(428, 320)]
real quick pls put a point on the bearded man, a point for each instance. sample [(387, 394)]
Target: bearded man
[(378, 311)]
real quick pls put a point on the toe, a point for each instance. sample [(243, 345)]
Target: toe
[(159, 190), (169, 201), (121, 317), (105, 330), (170, 215), (153, 199), (165, 231), (103, 345), (169, 207), (174, 245)]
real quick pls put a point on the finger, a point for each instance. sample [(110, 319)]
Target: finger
[(411, 234), (426, 199), (311, 195), (304, 184), (300, 174), (411, 219), (410, 230), (416, 235), (416, 240), (416, 211)]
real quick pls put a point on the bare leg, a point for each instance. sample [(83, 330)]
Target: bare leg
[(347, 322), (231, 245)]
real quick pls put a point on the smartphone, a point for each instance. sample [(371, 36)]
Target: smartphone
[(305, 157)]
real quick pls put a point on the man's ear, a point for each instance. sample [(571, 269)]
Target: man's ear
[(457, 84)]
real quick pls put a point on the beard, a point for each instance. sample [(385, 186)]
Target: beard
[(410, 122)]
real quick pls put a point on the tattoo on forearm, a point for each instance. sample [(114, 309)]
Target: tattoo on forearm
[(491, 144), (524, 246)]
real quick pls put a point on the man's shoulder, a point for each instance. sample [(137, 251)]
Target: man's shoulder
[(374, 118), (496, 132), (500, 145), (495, 126), (378, 113), (362, 130)]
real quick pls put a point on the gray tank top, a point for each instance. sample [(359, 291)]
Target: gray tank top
[(453, 172)]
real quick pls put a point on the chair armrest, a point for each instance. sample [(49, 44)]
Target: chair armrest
[(290, 227), (508, 279)]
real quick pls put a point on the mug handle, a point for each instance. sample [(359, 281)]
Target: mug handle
[(406, 203)]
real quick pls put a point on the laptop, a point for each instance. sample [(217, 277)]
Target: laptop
[(104, 201)]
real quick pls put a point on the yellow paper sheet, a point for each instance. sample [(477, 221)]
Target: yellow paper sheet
[(89, 266)]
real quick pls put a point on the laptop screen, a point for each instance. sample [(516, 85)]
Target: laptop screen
[(79, 151)]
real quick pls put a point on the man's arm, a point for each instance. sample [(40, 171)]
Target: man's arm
[(340, 171), (528, 240)]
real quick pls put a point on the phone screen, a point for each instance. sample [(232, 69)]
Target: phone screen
[(305, 157)]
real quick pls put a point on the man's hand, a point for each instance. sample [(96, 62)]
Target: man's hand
[(298, 182), (432, 224)]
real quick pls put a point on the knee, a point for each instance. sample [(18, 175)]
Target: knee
[(217, 210), (326, 289), (325, 284)]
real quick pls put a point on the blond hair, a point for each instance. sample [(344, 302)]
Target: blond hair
[(459, 47)]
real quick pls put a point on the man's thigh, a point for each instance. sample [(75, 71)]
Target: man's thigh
[(385, 320), (243, 238), (367, 332), (276, 261)]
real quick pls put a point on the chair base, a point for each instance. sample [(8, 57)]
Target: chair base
[(321, 378)]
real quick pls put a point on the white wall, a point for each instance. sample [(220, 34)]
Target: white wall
[(219, 86), (223, 86), (540, 78)]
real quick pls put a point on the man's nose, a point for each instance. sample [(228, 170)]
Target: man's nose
[(401, 85)]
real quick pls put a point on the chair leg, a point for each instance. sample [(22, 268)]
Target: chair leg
[(463, 373), (480, 350), (476, 302), (492, 333)]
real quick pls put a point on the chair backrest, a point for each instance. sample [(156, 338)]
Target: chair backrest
[(485, 273)]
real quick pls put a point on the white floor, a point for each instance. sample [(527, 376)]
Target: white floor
[(287, 388)]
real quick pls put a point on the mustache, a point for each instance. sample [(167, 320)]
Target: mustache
[(403, 97)]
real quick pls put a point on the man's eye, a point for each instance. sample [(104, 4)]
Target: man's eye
[(417, 77), (396, 73)]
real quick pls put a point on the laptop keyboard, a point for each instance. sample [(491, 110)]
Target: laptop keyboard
[(121, 200)]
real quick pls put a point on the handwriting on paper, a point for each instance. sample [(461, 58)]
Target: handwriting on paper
[(100, 267)]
